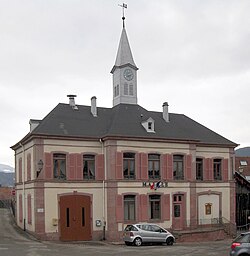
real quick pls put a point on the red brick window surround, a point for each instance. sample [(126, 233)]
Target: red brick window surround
[(29, 167), (20, 208), (29, 209)]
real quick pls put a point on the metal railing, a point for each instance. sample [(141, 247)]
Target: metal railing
[(208, 225)]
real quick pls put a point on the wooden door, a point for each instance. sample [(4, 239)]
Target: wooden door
[(179, 215), (75, 219)]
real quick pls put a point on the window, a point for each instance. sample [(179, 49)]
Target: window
[(116, 90), (178, 198), (150, 125), (126, 89), (178, 167), (243, 163), (155, 206), (59, 163), (83, 216), (129, 165), (20, 171), (153, 166), (67, 217), (243, 238), (89, 167), (217, 169), (129, 207), (199, 169), (177, 210), (131, 90)]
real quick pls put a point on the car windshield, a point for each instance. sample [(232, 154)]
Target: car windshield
[(243, 238), (131, 228)]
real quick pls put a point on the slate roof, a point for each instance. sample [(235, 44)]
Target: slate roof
[(243, 152), (124, 120)]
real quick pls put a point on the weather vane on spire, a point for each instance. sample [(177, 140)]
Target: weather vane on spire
[(123, 17)]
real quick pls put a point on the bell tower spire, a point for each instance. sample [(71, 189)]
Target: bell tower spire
[(124, 71)]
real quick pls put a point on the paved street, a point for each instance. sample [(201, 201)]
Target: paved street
[(15, 242)]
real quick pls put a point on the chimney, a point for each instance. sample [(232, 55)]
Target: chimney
[(165, 113), (93, 106), (72, 101)]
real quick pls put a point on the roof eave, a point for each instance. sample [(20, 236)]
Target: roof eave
[(121, 66)]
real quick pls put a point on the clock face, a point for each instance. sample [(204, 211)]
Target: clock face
[(128, 74)]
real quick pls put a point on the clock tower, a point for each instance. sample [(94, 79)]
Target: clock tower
[(124, 73)]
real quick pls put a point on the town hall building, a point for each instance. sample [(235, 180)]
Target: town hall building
[(84, 172)]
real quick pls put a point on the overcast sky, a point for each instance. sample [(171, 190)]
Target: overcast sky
[(193, 54)]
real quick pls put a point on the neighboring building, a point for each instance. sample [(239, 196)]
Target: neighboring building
[(242, 178), (84, 172), (242, 161), (6, 196)]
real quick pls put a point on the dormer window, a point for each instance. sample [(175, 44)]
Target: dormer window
[(243, 163), (149, 125)]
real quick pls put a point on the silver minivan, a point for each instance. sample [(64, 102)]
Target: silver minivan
[(137, 234)]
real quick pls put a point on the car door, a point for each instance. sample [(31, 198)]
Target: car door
[(158, 234), (146, 233)]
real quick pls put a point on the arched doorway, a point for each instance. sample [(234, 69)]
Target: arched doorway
[(75, 220)]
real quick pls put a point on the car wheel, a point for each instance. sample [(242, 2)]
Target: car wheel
[(137, 241), (170, 241)]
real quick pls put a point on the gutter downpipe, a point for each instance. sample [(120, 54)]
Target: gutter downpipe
[(103, 193), (23, 177)]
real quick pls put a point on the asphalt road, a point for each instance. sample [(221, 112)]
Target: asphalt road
[(14, 241)]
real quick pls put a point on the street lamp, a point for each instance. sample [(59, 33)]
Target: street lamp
[(40, 167)]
